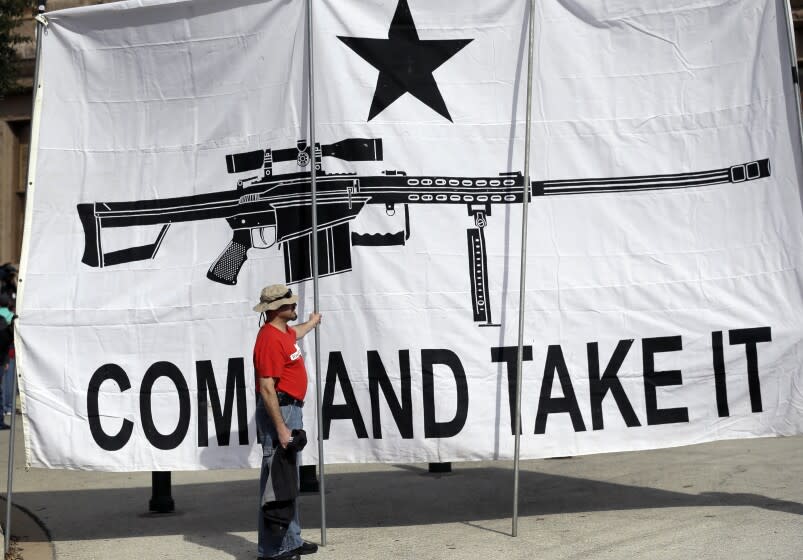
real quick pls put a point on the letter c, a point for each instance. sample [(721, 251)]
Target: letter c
[(114, 373)]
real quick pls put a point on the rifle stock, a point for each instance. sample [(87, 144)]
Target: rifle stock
[(89, 221), (93, 248)]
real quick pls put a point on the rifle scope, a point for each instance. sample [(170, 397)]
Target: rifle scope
[(350, 149)]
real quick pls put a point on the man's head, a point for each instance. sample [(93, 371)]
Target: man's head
[(277, 300)]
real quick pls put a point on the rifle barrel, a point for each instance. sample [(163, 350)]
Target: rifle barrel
[(284, 201)]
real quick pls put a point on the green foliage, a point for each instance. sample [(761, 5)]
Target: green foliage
[(11, 14)]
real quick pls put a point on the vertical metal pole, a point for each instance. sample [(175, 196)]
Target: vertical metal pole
[(525, 208), (313, 177), (10, 482), (790, 33), (13, 430)]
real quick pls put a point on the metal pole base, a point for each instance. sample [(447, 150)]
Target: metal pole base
[(308, 481), (161, 498)]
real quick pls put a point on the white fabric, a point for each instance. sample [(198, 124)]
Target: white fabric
[(143, 101)]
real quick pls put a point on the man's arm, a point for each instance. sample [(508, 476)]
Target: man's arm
[(303, 328), (267, 388)]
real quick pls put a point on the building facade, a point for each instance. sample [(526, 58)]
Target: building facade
[(15, 133)]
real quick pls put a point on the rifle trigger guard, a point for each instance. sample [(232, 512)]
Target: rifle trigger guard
[(263, 237)]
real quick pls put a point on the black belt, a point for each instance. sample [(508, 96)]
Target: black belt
[(287, 400)]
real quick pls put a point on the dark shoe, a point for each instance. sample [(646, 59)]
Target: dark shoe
[(286, 556), (5, 426), (306, 548)]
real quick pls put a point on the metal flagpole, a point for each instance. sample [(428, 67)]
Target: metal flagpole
[(790, 34), (314, 176), (10, 482), (35, 113), (525, 208)]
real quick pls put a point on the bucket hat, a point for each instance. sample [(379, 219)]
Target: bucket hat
[(273, 297)]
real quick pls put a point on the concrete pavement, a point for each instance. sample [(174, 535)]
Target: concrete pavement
[(722, 500)]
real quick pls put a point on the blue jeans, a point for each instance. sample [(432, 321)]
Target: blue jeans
[(8, 394), (273, 545)]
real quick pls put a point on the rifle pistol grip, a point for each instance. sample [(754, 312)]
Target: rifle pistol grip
[(227, 266)]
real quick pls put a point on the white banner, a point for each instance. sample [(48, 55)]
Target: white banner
[(664, 249)]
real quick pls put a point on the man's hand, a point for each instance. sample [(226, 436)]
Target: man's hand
[(285, 435), (303, 328)]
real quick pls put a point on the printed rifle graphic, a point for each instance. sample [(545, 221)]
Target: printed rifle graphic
[(276, 208)]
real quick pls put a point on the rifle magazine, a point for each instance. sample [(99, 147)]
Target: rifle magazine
[(478, 276)]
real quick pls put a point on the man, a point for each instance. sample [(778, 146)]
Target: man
[(8, 294), (7, 396), (281, 387)]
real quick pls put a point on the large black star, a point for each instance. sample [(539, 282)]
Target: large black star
[(405, 62)]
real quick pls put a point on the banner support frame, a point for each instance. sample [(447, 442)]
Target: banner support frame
[(524, 218), (36, 112), (315, 275), (790, 38)]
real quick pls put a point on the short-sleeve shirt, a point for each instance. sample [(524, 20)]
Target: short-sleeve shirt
[(277, 355), (6, 314)]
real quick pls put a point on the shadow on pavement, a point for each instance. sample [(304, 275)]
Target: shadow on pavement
[(405, 496)]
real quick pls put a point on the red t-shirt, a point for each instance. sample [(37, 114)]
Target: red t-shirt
[(276, 354)]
